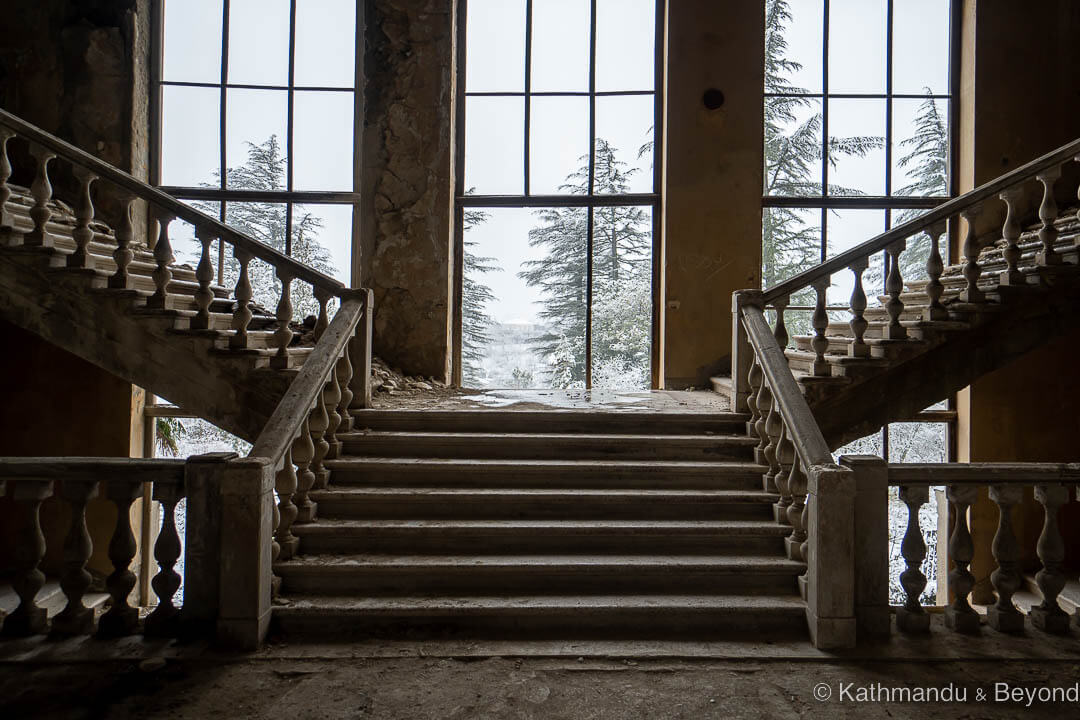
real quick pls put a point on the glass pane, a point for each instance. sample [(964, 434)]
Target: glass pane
[(920, 152), (190, 130), (187, 250), (790, 244), (191, 49), (856, 147), (625, 45), (793, 46), (844, 230), (624, 144), (560, 46), (622, 298), (322, 238), (792, 146), (921, 39), (868, 445), (494, 145), (915, 442), (857, 41), (523, 299), (259, 42), (323, 140), (255, 139), (559, 145), (326, 43), (495, 46)]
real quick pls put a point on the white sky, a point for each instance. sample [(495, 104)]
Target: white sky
[(494, 136)]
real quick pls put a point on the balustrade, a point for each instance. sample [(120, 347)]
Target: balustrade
[(935, 310), (41, 191), (1004, 615), (84, 214), (959, 615), (820, 323), (6, 219), (121, 618), (911, 617), (204, 273), (28, 618), (858, 323), (76, 618), (894, 285), (1048, 212)]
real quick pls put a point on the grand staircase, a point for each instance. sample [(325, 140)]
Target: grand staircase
[(560, 523)]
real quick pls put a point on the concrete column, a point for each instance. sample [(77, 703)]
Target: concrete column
[(830, 595), (247, 517), (871, 543), (713, 178)]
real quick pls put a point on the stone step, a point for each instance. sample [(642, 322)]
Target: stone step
[(571, 616), (547, 445), (748, 537), (550, 421), (537, 503), (489, 473), (368, 575)]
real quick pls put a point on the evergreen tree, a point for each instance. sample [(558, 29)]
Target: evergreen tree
[(927, 161), (622, 261), (475, 322), (264, 221)]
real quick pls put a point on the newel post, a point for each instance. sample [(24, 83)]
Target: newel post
[(830, 591), (204, 477), (742, 354), (871, 517), (247, 528)]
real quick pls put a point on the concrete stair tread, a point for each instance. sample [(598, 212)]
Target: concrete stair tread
[(552, 421), (551, 437), (325, 526), (457, 605), (363, 494), (711, 467)]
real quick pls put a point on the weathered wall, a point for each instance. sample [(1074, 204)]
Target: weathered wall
[(713, 188), (408, 98), (1027, 410)]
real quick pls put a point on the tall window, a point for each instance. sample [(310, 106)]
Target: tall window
[(255, 105), (557, 200)]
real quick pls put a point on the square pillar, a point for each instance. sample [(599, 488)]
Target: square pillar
[(830, 595), (871, 517)]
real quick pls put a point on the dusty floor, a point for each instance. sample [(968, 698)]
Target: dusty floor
[(443, 398), (284, 689)]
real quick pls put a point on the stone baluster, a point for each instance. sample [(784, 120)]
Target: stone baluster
[(1048, 615), (318, 423), (285, 483), (764, 402), (972, 271), (125, 234), (163, 620), (820, 322), (934, 269), (1048, 212), (76, 618), (781, 333), (121, 619), (1076, 241), (1010, 232), (858, 346), (753, 380), (1003, 616), (331, 399), (911, 617), (204, 273), (84, 214), (303, 450), (894, 286), (774, 426), (322, 297), (785, 458), (959, 615), (797, 487), (163, 257), (41, 190), (283, 335), (28, 618), (6, 219), (344, 376), (242, 313)]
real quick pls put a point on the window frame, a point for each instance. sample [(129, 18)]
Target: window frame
[(222, 194), (590, 201)]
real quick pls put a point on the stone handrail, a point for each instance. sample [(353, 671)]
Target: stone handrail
[(164, 202), (816, 496), (949, 209), (29, 481), (1006, 483)]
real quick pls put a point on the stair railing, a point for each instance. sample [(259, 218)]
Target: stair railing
[(816, 496), (235, 529), (1008, 188)]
